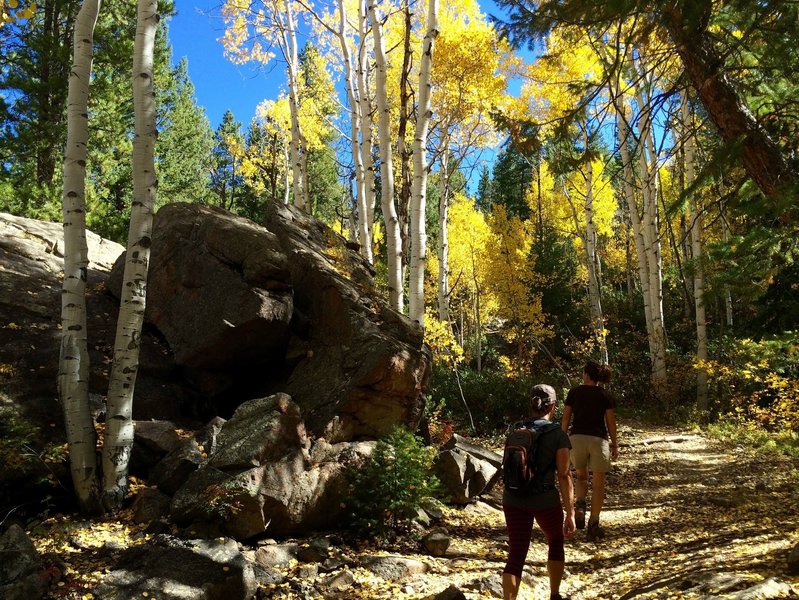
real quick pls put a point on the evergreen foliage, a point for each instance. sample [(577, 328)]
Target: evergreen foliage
[(389, 490)]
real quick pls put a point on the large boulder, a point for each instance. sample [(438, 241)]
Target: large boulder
[(265, 475), (361, 367), (22, 576), (466, 469), (218, 290), (249, 310)]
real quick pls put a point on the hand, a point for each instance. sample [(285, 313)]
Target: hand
[(569, 527), (614, 452)]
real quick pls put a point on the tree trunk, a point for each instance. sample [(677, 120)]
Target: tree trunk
[(624, 134), (289, 42), (73, 371), (119, 423), (367, 142), (404, 196), (594, 287), (651, 233), (761, 156), (393, 240), (420, 167), (443, 235), (696, 251), (725, 232), (355, 134)]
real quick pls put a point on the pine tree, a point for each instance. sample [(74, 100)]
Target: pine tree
[(184, 144)]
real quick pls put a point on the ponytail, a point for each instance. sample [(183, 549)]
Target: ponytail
[(598, 373)]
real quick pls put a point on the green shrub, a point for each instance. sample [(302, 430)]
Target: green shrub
[(747, 434), (389, 490)]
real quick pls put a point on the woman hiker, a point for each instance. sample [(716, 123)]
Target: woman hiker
[(592, 414), (541, 502)]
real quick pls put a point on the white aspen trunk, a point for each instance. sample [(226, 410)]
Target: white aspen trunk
[(650, 229), (725, 232), (624, 134), (364, 231), (390, 218), (73, 366), (443, 237), (420, 167), (119, 423), (696, 252), (478, 337), (367, 142), (289, 40), (594, 287), (287, 190)]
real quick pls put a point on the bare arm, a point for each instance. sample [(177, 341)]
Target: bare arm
[(610, 419), (567, 416), (566, 490)]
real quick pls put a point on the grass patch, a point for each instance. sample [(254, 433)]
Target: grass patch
[(784, 442)]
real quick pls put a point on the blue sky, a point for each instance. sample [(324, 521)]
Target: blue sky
[(220, 85)]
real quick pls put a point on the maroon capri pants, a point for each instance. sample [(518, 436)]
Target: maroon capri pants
[(520, 530)]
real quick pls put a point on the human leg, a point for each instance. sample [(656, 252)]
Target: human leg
[(580, 454), (510, 586), (599, 464), (597, 496), (519, 523), (551, 523)]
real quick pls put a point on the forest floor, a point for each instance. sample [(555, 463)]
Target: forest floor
[(681, 509)]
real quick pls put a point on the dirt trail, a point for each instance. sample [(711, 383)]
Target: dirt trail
[(685, 517)]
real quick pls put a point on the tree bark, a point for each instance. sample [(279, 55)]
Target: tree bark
[(761, 156), (594, 287), (695, 229), (404, 196), (443, 233), (289, 43), (393, 240), (420, 168), (73, 372), (367, 120), (119, 422)]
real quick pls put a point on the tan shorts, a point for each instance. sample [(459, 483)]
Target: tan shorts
[(590, 451)]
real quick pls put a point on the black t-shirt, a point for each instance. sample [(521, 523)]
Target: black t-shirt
[(588, 404), (545, 494)]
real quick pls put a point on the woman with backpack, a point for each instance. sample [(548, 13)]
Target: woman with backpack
[(592, 414), (538, 499)]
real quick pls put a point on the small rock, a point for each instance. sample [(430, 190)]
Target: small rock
[(394, 568), (331, 564), (317, 551), (309, 571), (437, 542), (275, 555), (451, 593), (342, 581), (711, 481), (793, 561)]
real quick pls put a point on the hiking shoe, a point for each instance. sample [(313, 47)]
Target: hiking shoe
[(594, 531), (579, 514)]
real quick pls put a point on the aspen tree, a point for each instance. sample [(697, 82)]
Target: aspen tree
[(351, 57), (73, 372), (276, 22), (393, 240), (594, 288), (695, 231), (367, 121), (420, 168), (119, 423)]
